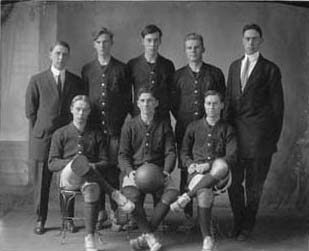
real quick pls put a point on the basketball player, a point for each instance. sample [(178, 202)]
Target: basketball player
[(79, 152), (208, 151), (147, 139)]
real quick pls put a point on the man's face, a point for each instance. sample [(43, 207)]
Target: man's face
[(251, 41), (80, 111), (147, 104), (151, 43), (103, 45), (194, 50), (213, 106), (59, 56)]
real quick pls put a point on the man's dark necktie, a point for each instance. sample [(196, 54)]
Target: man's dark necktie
[(59, 85)]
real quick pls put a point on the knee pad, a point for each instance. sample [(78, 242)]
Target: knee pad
[(205, 198), (195, 180), (169, 196), (219, 169), (91, 192)]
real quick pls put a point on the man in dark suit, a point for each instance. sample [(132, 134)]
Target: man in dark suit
[(254, 105), (152, 70), (48, 100)]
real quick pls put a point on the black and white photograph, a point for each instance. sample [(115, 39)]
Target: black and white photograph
[(154, 125)]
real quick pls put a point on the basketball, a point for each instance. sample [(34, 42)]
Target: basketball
[(149, 178)]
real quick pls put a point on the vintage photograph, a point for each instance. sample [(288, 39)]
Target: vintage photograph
[(154, 125)]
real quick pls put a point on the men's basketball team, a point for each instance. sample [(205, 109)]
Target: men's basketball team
[(99, 130)]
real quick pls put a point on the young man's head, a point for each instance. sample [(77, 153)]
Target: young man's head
[(103, 42), (213, 104), (151, 39), (80, 109), (194, 47), (59, 54), (252, 38), (147, 101)]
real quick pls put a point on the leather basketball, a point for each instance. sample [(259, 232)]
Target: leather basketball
[(149, 178)]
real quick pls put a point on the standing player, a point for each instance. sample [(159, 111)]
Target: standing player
[(153, 71), (110, 96)]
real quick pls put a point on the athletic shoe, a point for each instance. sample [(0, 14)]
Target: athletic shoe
[(125, 204), (90, 244), (139, 243), (153, 243), (180, 203), (208, 244)]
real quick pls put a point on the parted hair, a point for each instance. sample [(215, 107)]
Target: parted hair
[(252, 27)]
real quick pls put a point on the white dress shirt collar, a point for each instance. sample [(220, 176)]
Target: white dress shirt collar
[(252, 58), (56, 73)]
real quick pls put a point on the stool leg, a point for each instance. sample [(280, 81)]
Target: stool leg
[(66, 200)]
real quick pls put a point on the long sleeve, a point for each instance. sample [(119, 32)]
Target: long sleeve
[(175, 97), (231, 146), (56, 162), (170, 149), (125, 155), (219, 83), (227, 112), (32, 101), (276, 97), (186, 148)]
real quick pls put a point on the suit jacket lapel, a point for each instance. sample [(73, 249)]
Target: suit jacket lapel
[(237, 72), (67, 85), (256, 72), (52, 85)]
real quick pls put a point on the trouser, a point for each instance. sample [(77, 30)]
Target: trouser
[(254, 173), (112, 173), (41, 181)]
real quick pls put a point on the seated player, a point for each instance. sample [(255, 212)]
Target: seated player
[(208, 151), (79, 151), (147, 139)]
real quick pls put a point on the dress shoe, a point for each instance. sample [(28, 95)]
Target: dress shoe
[(39, 228), (243, 235), (70, 226)]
